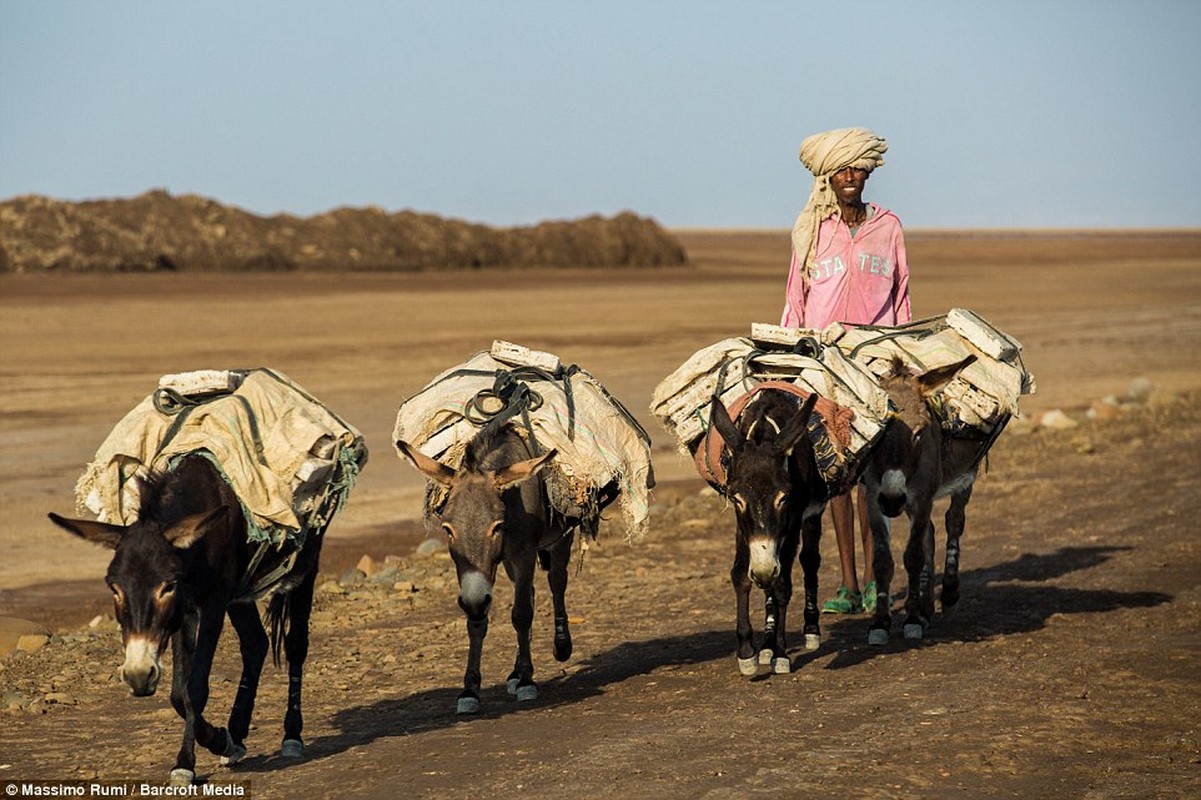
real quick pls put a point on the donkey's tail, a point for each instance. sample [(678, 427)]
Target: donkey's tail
[(277, 622)]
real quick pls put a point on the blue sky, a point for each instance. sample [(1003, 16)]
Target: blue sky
[(998, 114)]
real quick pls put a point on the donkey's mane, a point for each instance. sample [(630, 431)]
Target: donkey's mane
[(490, 439), (897, 368), (159, 492), (754, 416)]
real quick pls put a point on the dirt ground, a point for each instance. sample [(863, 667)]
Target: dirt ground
[(1071, 670)]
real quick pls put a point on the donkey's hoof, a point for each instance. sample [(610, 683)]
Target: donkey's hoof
[(781, 665), (765, 656), (877, 636), (512, 685), (291, 748), (233, 752), (182, 777), (913, 631), (468, 705), (813, 641), (748, 666), (527, 693)]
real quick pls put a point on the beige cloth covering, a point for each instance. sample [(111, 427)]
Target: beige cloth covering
[(288, 458), (598, 443)]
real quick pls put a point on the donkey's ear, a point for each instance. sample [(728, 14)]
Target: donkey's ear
[(795, 428), (98, 532), (190, 530), (516, 473), (719, 417), (934, 380), (434, 470)]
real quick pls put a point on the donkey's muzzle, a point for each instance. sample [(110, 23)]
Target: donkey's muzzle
[(765, 562), (894, 493), (475, 595), (891, 505), (141, 671)]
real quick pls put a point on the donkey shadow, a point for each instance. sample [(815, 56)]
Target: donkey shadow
[(433, 709), (1002, 600), (997, 601)]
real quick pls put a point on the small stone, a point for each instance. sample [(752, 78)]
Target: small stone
[(32, 642), (428, 548), (1104, 410), (352, 576), (388, 575), (404, 587), (1140, 390), (1057, 421), (12, 629), (368, 566), (60, 698), (331, 587)]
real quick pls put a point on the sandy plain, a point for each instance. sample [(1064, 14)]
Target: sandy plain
[(1094, 310)]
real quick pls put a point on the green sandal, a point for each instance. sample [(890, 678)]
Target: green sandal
[(844, 602), (869, 597)]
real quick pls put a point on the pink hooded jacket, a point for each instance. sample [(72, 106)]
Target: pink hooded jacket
[(861, 279)]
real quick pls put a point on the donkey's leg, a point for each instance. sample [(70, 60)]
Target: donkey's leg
[(883, 568), (521, 680), (919, 564), (767, 650), (956, 519), (195, 693), (183, 645), (253, 642), (469, 698), (560, 555), (741, 579), (296, 648), (811, 561), (781, 593)]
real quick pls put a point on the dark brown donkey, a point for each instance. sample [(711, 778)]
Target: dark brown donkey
[(497, 512), (778, 497), (916, 463), (175, 574)]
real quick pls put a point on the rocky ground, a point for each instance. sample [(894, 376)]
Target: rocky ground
[(1071, 669)]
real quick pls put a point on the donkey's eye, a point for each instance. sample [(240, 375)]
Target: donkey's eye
[(740, 502), (497, 529), (168, 588), (780, 498), (450, 532), (118, 595)]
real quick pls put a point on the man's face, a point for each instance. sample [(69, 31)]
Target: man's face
[(848, 183)]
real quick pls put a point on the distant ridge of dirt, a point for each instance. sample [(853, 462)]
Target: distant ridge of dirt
[(157, 231)]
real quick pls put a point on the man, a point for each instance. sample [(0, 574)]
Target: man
[(849, 266)]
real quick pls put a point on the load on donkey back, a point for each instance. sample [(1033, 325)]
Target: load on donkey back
[(521, 452)]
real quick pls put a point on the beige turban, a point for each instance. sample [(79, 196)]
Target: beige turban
[(823, 154)]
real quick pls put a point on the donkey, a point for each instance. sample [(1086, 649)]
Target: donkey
[(915, 463), (497, 512), (778, 497), (175, 574)]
